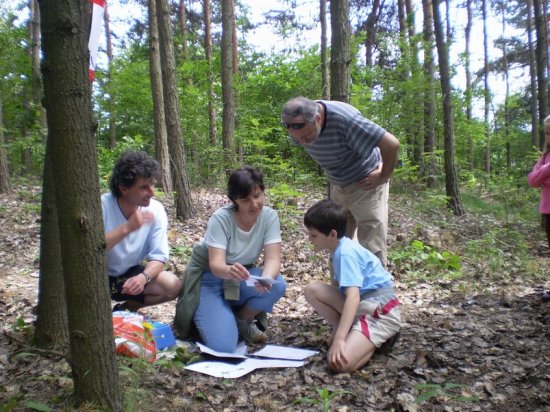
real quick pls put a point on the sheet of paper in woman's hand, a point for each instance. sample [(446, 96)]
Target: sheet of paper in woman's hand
[(264, 281)]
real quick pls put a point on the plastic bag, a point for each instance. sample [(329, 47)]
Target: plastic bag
[(133, 336)]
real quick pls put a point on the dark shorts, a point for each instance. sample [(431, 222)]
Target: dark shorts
[(116, 283)]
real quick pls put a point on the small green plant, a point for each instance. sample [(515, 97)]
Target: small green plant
[(325, 398), (186, 357), (447, 391), (419, 255)]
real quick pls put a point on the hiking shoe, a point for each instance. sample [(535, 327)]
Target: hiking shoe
[(122, 307), (387, 346), (546, 297), (250, 332)]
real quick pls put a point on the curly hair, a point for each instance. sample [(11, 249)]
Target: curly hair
[(131, 166)]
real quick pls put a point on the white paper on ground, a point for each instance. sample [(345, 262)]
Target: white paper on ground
[(284, 352), (230, 371), (240, 352)]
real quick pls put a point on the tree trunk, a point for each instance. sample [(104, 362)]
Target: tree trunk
[(65, 32), (507, 82), (324, 59), (52, 328), (110, 105), (532, 76), (183, 23), (451, 180), (468, 92), (35, 69), (159, 118), (184, 205), (429, 96), (5, 184), (228, 96), (486, 92), (212, 129), (542, 59), (370, 41), (339, 50)]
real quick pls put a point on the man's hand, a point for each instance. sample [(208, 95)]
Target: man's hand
[(374, 179), (138, 219), (134, 285)]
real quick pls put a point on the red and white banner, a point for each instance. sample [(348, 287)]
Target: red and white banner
[(93, 41)]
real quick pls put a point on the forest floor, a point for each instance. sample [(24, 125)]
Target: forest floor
[(479, 334)]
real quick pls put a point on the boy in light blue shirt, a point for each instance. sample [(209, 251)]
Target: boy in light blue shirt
[(362, 308)]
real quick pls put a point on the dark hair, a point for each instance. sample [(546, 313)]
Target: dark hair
[(131, 166), (325, 216), (242, 181)]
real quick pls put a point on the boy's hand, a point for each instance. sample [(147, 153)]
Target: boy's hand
[(336, 355)]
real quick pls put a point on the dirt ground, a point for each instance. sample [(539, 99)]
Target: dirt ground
[(489, 341)]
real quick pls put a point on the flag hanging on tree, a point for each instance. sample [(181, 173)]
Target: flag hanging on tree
[(93, 41)]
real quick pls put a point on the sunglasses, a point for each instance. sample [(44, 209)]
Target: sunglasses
[(294, 126)]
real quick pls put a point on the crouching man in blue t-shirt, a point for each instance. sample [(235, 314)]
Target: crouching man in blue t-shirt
[(136, 228), (362, 309)]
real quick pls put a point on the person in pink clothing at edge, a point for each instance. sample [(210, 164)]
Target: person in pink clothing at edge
[(540, 178)]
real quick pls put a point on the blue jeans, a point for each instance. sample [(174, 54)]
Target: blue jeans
[(214, 316)]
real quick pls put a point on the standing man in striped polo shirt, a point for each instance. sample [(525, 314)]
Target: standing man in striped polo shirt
[(358, 157)]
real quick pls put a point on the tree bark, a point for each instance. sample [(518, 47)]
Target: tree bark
[(486, 92), (183, 200), (212, 128), (110, 105), (183, 23), (159, 117), (65, 32), (5, 184), (430, 144), (451, 180), (541, 52), (228, 95), (468, 91), (52, 328), (532, 76), (324, 59), (339, 50)]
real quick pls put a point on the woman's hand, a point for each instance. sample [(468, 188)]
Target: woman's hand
[(238, 272)]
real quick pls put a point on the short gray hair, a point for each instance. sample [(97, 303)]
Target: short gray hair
[(300, 106)]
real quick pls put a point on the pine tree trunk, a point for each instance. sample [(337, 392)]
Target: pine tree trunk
[(451, 179), (541, 52), (52, 328), (486, 92), (324, 59), (5, 184), (339, 50), (212, 128), (178, 164), (532, 76), (65, 32), (430, 144), (228, 96), (159, 118)]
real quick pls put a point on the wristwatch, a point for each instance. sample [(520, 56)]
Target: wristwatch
[(147, 277)]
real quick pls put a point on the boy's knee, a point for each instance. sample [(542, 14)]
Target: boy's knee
[(311, 290)]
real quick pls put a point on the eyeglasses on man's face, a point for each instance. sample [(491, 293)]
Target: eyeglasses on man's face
[(294, 126)]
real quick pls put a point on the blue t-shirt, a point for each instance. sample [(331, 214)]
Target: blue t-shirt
[(355, 266), (149, 242)]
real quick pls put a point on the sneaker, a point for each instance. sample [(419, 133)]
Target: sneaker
[(546, 297), (122, 307), (250, 332)]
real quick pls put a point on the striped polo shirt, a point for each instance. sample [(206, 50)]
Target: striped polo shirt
[(347, 147)]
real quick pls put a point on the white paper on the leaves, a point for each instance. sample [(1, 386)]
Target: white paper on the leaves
[(240, 352), (272, 356), (230, 371), (285, 352), (252, 279)]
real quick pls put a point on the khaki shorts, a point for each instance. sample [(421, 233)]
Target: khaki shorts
[(378, 318)]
